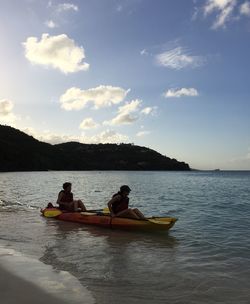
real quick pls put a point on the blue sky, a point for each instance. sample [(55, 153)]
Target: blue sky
[(169, 75)]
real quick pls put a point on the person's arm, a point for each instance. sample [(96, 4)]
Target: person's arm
[(60, 195), (114, 199)]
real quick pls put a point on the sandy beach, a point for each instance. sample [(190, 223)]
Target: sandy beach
[(25, 279), (14, 289)]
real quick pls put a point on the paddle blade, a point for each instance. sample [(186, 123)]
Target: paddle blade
[(51, 212), (106, 210)]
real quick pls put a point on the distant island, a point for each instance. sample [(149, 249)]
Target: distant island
[(21, 152)]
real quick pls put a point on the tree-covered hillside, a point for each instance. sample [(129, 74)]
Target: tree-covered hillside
[(21, 152)]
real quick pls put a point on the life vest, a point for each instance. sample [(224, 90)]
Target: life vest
[(67, 196), (121, 204)]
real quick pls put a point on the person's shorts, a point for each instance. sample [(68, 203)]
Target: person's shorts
[(66, 208)]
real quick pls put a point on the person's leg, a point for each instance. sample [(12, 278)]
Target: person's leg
[(69, 207), (81, 206), (75, 206), (128, 213), (138, 212)]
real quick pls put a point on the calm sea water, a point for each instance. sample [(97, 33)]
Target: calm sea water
[(204, 258)]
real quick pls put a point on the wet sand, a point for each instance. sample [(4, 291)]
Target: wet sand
[(14, 289)]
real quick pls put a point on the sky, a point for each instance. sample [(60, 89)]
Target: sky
[(171, 75)]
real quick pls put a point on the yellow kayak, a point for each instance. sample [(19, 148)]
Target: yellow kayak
[(103, 219)]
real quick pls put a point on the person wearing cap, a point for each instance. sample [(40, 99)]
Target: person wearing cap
[(66, 201), (118, 205)]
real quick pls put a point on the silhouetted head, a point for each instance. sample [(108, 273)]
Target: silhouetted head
[(125, 189), (66, 185)]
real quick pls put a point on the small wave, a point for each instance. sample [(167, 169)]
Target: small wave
[(15, 206), (10, 203)]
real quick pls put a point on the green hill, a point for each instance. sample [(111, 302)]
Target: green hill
[(21, 152)]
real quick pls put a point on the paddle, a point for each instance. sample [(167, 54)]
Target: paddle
[(152, 220), (104, 210), (54, 212)]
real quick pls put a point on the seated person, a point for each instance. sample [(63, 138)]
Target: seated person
[(118, 205), (66, 201)]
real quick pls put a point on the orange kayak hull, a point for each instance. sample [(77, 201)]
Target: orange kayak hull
[(102, 220)]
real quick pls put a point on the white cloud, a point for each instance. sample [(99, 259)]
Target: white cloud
[(124, 113), (6, 107), (121, 119), (178, 58), (88, 123), (144, 52), (130, 107), (245, 8), (59, 52), (125, 116), (66, 7), (51, 24), (142, 133), (212, 5), (50, 137), (6, 114), (102, 96), (125, 6), (181, 92), (148, 110), (224, 9), (195, 13), (107, 136)]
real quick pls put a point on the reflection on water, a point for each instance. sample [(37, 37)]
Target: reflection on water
[(104, 259)]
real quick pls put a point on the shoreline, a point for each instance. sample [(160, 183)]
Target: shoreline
[(27, 280), (14, 289)]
